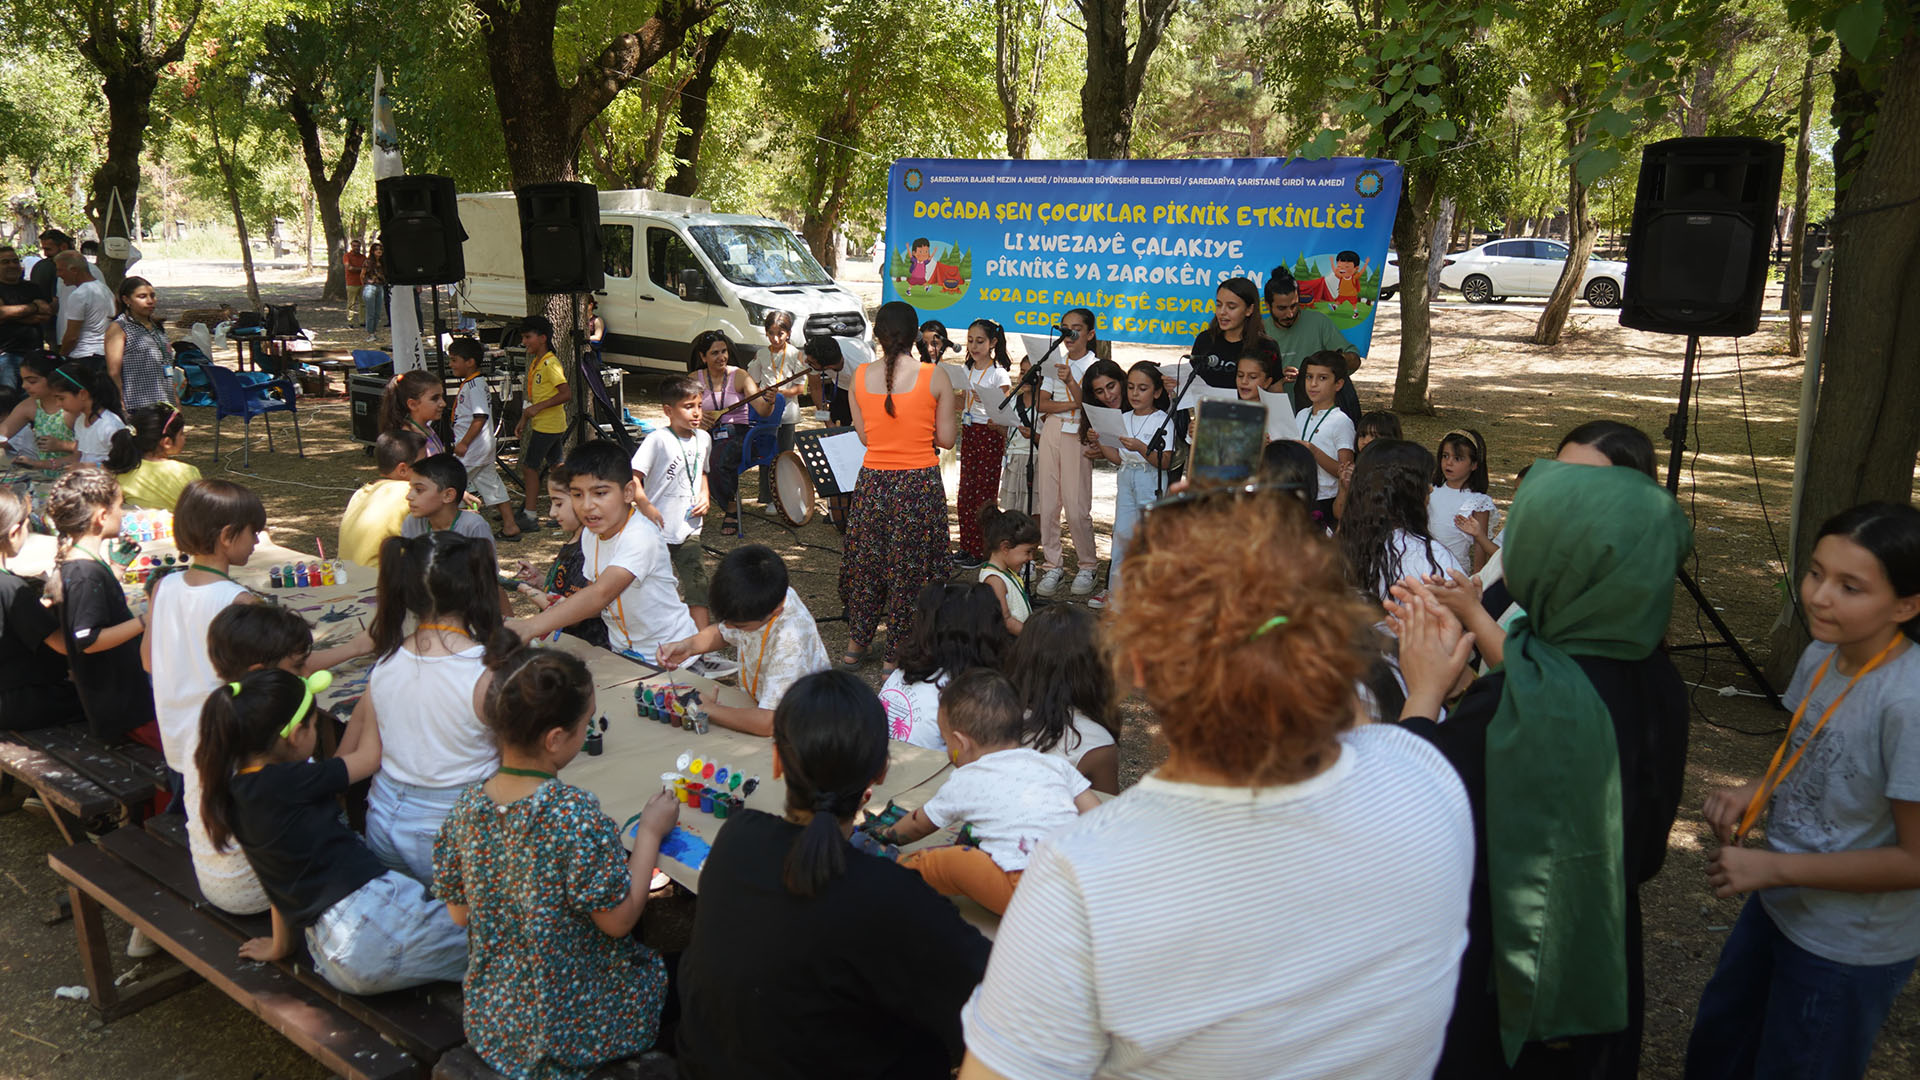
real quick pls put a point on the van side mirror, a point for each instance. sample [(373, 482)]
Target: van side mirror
[(692, 287)]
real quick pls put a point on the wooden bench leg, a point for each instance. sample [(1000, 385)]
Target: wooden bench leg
[(96, 963)]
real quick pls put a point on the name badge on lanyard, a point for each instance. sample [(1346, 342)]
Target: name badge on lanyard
[(722, 432)]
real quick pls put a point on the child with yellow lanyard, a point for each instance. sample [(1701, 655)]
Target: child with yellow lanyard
[(758, 613)]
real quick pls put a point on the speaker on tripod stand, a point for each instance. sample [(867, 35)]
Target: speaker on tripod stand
[(1703, 216)]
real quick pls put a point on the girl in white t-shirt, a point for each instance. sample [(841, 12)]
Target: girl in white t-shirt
[(1067, 688), (1142, 465), (1010, 538), (436, 628), (94, 403), (1459, 498), (955, 627), (1384, 534), (982, 442)]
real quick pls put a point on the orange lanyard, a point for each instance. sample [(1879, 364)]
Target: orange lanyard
[(619, 608), (760, 665), (1775, 773)]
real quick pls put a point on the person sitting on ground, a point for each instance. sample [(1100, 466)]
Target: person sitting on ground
[(791, 901), (757, 612), (379, 509), (1094, 973), (1010, 796), (534, 869), (1065, 683)]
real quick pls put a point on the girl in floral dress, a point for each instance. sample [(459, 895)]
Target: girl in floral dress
[(534, 869)]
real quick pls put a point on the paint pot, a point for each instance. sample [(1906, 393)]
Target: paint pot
[(706, 802)]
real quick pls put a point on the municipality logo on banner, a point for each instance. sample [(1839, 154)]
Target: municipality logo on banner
[(1143, 244)]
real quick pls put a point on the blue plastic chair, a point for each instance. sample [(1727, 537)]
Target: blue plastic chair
[(231, 397), (364, 359)]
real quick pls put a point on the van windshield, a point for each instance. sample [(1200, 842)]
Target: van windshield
[(760, 255)]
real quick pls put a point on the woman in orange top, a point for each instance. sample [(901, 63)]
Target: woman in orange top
[(897, 535)]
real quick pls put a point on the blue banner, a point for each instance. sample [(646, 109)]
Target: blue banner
[(1143, 244)]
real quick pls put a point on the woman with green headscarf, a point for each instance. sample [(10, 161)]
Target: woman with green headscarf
[(1573, 751)]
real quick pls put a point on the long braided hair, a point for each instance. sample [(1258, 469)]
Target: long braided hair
[(896, 327)]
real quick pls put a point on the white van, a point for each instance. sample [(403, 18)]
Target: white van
[(674, 269)]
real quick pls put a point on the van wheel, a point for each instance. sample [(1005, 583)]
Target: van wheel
[(1478, 289)]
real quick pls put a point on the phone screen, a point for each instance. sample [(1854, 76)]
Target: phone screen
[(1227, 439)]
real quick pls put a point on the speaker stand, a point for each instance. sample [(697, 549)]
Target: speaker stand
[(1677, 433)]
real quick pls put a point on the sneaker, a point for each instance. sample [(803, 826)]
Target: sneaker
[(1083, 582), (1050, 582), (527, 522), (139, 945), (713, 667), (963, 561), (1098, 600), (32, 805), (509, 538)]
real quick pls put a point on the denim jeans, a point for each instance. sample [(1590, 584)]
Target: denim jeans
[(372, 299), (388, 935), (10, 370), (1134, 492), (402, 820), (1775, 1010)]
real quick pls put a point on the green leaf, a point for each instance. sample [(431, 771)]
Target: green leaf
[(1323, 144), (1375, 113), (1428, 147), (1858, 26), (1428, 75), (1442, 129), (1820, 45), (1393, 84), (1429, 103), (1595, 164), (1397, 10)]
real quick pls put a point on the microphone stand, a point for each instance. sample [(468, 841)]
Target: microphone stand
[(1029, 413), (1160, 435)]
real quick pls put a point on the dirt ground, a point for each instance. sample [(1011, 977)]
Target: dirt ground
[(1485, 376)]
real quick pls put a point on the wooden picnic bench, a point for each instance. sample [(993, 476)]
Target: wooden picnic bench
[(86, 785), (145, 876)]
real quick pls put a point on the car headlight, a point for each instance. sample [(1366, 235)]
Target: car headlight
[(756, 313)]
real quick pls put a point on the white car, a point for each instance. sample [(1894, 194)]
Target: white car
[(1390, 275), (1527, 267)]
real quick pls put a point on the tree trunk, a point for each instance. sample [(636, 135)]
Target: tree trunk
[(1019, 86), (1116, 69), (1581, 231), (693, 115), (1441, 244), (129, 95), (1797, 238), (327, 186), (1413, 229), (543, 122), (1866, 430), (240, 226)]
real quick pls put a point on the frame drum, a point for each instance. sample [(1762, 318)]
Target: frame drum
[(793, 488)]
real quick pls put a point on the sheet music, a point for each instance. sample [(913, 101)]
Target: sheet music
[(1036, 344), (1200, 391), (1108, 423), (956, 376), (1281, 423), (1177, 370), (1002, 407), (845, 455)]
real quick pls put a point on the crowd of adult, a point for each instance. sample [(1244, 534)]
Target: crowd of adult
[(61, 309)]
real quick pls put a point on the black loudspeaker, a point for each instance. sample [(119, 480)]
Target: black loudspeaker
[(420, 231), (1702, 226), (560, 237)]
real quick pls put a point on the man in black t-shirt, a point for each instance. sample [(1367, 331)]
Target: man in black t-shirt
[(46, 282), (22, 312)]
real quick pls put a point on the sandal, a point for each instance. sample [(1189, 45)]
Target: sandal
[(730, 524), (853, 658)]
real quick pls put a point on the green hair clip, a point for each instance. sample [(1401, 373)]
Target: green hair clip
[(315, 683), (1277, 620)]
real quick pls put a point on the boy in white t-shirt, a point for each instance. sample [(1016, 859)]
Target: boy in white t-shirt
[(671, 466), (757, 612), (1325, 428), (473, 419), (624, 560), (1012, 796)]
